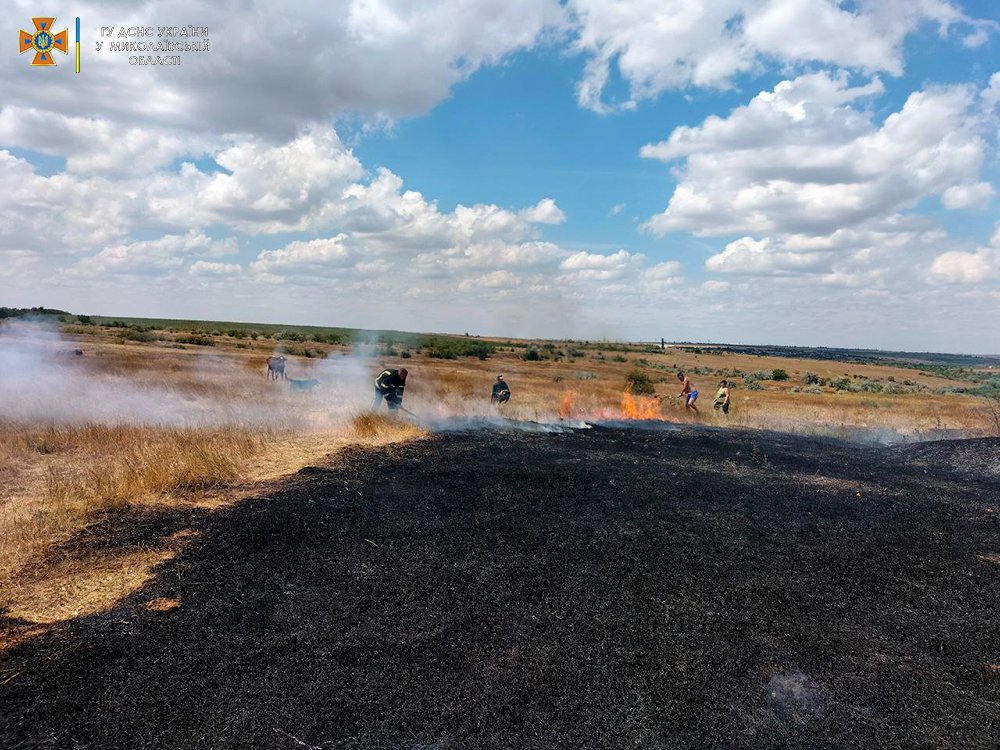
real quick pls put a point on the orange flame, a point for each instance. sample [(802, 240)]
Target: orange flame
[(639, 408), (566, 405)]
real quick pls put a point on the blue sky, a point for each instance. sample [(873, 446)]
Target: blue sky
[(811, 166), (516, 127)]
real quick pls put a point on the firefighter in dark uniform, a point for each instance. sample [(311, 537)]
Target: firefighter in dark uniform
[(389, 386), (501, 391)]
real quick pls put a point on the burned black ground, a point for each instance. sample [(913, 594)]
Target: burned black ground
[(606, 588)]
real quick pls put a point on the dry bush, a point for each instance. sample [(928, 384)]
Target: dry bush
[(372, 425), (60, 476), (143, 461)]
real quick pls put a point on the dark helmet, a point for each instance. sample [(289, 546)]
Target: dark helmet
[(403, 374)]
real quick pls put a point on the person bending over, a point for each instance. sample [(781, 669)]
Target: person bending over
[(389, 386), (501, 391)]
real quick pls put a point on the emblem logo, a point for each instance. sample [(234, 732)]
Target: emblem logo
[(43, 41)]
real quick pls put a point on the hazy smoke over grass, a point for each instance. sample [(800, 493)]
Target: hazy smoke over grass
[(43, 380)]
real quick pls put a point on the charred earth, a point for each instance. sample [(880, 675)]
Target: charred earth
[(603, 588)]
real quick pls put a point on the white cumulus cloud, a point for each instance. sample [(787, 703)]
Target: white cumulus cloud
[(658, 45)]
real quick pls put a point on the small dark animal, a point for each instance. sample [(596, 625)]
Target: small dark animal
[(276, 368), (302, 385)]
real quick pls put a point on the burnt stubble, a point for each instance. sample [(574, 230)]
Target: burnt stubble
[(603, 588)]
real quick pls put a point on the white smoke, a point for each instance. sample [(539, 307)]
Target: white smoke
[(42, 380)]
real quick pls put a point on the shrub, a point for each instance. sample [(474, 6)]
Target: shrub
[(812, 389), (452, 348), (842, 384), (812, 378), (532, 355), (639, 383), (133, 335), (405, 355), (779, 375), (196, 340), (753, 385), (619, 358), (85, 320)]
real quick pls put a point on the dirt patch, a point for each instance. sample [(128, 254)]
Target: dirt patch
[(606, 588)]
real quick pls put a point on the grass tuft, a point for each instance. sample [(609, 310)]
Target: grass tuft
[(372, 425)]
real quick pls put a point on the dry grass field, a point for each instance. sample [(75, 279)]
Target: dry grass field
[(126, 427)]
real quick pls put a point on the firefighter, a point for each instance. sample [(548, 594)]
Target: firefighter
[(389, 386), (501, 391)]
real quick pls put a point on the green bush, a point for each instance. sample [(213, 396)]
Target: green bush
[(752, 380), (441, 347), (812, 389), (779, 375), (639, 383), (532, 355), (196, 340), (812, 378), (133, 335), (842, 384), (619, 358), (405, 355)]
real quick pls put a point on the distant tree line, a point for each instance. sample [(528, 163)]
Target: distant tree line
[(24, 312)]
